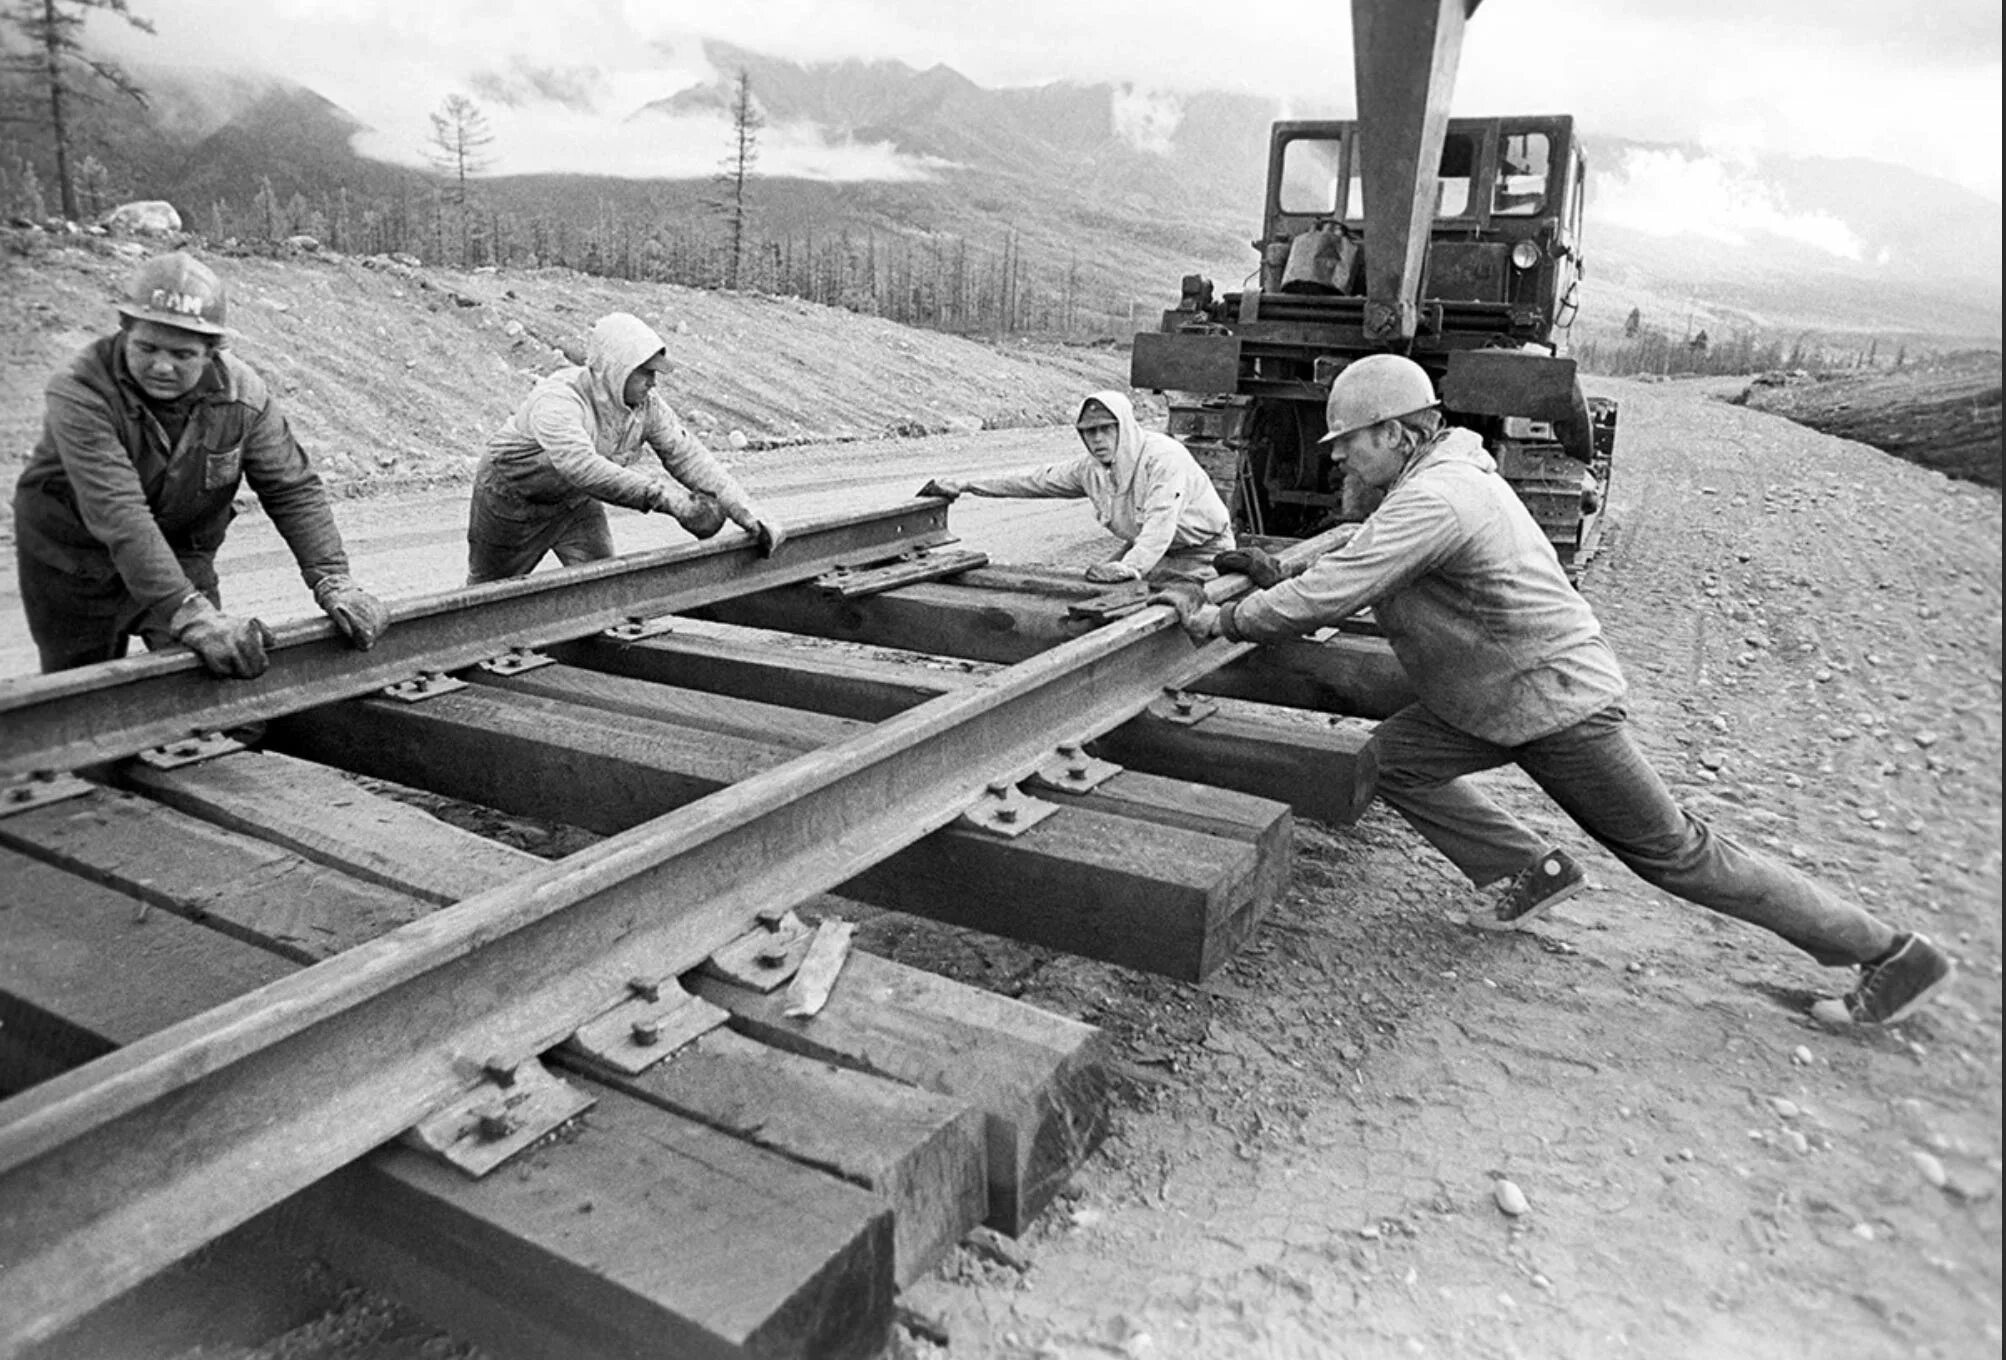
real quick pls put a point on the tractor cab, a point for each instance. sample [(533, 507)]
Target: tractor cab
[(1506, 222)]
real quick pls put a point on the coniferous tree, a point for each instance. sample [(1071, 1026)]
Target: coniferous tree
[(736, 174), (49, 34)]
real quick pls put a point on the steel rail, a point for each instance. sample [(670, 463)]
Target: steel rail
[(117, 1168), (52, 723)]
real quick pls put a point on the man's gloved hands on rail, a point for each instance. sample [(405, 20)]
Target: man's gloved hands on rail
[(233, 648), (1262, 568), (704, 516), (1199, 616), (947, 488), (361, 617), (766, 531), (1109, 573)]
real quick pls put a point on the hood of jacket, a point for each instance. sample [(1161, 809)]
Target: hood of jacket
[(619, 343), (1128, 443)]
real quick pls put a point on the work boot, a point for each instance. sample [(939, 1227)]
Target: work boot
[(1895, 984), (1544, 884)]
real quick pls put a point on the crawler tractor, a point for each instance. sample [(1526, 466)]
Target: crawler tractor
[(1471, 268)]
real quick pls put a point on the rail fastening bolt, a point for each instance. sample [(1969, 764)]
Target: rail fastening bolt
[(500, 1071), (1006, 815), (645, 988), (647, 1033), (495, 1125)]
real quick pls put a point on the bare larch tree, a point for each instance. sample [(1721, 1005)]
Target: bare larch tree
[(54, 60), (737, 173), (460, 139)]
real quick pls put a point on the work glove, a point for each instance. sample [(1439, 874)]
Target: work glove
[(234, 648), (766, 531), (1262, 568), (944, 487), (361, 617), (1199, 616), (1108, 573), (704, 516)]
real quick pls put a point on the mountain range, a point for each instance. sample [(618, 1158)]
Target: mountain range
[(1123, 192)]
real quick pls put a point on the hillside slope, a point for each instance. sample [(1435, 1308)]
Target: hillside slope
[(465, 347)]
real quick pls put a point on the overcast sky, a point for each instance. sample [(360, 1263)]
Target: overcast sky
[(1916, 84)]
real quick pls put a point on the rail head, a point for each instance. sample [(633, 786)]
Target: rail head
[(54, 723)]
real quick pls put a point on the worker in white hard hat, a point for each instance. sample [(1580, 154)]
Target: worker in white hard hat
[(1146, 489), (579, 442), (1511, 667), (146, 438)]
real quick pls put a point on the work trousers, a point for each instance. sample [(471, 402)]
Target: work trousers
[(508, 535), (80, 613), (1595, 772)]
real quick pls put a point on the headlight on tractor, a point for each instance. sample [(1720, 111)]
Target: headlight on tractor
[(1525, 255)]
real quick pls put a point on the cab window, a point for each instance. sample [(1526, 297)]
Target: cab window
[(1309, 176), (1522, 173), (1452, 180)]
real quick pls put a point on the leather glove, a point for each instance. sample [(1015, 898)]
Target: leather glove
[(1199, 616), (704, 516), (765, 530), (944, 487), (1262, 568), (1107, 573), (229, 647), (361, 617), (666, 498)]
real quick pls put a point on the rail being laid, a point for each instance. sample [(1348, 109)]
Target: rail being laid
[(60, 722), (118, 1167)]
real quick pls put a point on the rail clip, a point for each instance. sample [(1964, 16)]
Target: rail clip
[(190, 751), (429, 685), (38, 790), (1006, 810), (1178, 707), (491, 1123), (653, 1022), (1072, 770)]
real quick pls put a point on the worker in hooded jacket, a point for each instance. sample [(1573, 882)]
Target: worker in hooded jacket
[(573, 446), (1146, 489), (146, 438)]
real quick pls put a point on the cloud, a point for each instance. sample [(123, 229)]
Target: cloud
[(1667, 193), (1917, 85), (1146, 121)]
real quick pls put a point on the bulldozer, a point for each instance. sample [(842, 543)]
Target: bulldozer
[(1456, 242)]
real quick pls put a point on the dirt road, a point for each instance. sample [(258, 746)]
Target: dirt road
[(1306, 1156)]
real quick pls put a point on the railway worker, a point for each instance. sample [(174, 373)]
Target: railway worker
[(118, 516), (1146, 489), (1511, 667), (571, 447)]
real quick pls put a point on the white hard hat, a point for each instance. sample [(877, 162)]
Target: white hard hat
[(1375, 388)]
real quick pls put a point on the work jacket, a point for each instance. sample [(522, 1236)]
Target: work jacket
[(575, 438), (1154, 497), (106, 491), (1471, 595)]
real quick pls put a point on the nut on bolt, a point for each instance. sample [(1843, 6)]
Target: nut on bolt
[(495, 1125), (645, 988), (500, 1071)]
